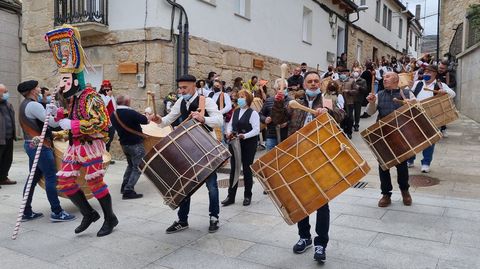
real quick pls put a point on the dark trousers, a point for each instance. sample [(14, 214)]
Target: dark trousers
[(321, 227), (134, 154), (347, 123), (357, 109), (111, 135), (6, 158), (402, 178), (248, 148)]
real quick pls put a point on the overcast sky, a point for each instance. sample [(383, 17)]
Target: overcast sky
[(428, 14)]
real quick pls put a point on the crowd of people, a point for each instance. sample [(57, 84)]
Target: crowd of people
[(254, 111)]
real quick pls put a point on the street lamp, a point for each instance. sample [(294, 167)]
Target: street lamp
[(359, 8)]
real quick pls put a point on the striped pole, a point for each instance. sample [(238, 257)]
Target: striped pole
[(32, 172)]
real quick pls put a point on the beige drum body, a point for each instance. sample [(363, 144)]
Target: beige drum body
[(405, 79), (441, 109), (59, 148), (155, 134), (400, 135), (309, 168)]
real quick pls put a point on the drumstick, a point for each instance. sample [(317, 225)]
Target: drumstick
[(33, 170), (152, 95), (294, 104), (283, 69), (372, 91), (402, 102)]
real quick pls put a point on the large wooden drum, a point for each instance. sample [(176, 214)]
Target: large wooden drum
[(400, 135), (182, 161), (310, 168), (155, 134), (59, 148), (440, 109), (405, 79)]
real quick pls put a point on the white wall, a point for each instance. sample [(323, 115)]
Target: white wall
[(274, 28), (368, 23)]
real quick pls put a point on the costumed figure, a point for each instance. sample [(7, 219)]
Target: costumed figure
[(87, 123)]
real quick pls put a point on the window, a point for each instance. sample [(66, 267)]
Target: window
[(384, 22), (389, 23), (400, 27), (210, 2), (243, 8), (410, 38), (416, 43), (363, 2), (377, 11), (359, 50), (307, 25)]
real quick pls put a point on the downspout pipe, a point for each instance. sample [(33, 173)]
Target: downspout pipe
[(179, 47), (185, 35)]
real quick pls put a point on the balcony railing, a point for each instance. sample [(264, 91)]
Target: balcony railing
[(81, 11)]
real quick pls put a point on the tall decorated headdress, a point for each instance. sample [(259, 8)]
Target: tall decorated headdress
[(65, 44)]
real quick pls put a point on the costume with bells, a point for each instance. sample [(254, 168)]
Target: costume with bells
[(87, 123)]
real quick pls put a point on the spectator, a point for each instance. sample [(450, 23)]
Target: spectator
[(295, 82), (7, 136)]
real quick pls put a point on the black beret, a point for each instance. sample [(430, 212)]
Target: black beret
[(187, 78), (27, 86), (432, 68)]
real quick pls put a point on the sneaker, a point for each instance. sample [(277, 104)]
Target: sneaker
[(213, 225), (320, 254), (444, 133), (410, 164), (62, 216), (425, 168), (302, 245), (112, 162), (177, 226), (384, 201), (31, 216)]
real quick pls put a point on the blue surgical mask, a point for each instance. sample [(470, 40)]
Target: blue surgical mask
[(427, 77), (242, 102), (40, 99), (286, 92), (343, 77), (186, 97), (5, 96), (312, 93)]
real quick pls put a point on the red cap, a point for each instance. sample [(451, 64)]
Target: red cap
[(106, 83)]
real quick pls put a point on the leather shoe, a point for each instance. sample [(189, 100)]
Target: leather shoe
[(228, 201), (8, 181), (384, 201), (131, 195), (247, 201), (407, 199)]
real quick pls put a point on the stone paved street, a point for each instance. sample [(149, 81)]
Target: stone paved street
[(440, 230)]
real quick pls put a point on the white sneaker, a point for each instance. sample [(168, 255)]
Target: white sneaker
[(410, 164), (425, 168), (444, 133)]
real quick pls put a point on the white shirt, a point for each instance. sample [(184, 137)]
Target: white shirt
[(423, 94), (254, 121), (227, 100), (214, 119), (36, 111), (309, 117)]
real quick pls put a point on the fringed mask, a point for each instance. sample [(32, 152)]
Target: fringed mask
[(66, 48), (69, 84)]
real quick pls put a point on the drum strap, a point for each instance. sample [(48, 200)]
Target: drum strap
[(128, 129), (201, 105)]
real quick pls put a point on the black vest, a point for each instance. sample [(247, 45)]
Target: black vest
[(419, 88), (33, 124), (218, 100), (242, 125), (193, 107)]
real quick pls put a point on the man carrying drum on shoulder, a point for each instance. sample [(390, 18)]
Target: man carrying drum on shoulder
[(384, 101), (187, 106)]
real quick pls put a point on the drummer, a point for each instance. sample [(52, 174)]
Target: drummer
[(384, 102), (32, 116), (313, 99), (125, 119), (245, 124), (422, 89), (187, 105), (218, 95)]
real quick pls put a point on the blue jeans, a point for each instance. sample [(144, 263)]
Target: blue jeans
[(45, 167), (270, 143), (134, 154), (427, 155), (214, 205)]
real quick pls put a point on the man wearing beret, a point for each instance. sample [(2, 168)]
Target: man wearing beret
[(32, 116), (7, 135), (185, 106)]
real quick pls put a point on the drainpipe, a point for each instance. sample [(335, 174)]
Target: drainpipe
[(185, 46), (182, 34), (179, 47)]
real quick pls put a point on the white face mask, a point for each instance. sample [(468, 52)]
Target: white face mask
[(356, 74)]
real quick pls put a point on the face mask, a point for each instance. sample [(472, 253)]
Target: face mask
[(343, 77), (312, 93), (427, 77), (285, 92), (5, 96), (242, 102), (186, 97), (356, 74), (216, 89), (304, 70)]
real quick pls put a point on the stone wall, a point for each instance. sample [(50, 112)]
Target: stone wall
[(452, 14), (367, 47), (468, 95)]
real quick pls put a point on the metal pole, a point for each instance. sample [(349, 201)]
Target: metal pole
[(438, 32)]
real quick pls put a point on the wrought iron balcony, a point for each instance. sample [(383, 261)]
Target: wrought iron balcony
[(90, 16)]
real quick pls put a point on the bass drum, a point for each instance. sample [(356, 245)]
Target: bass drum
[(155, 134), (59, 148)]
